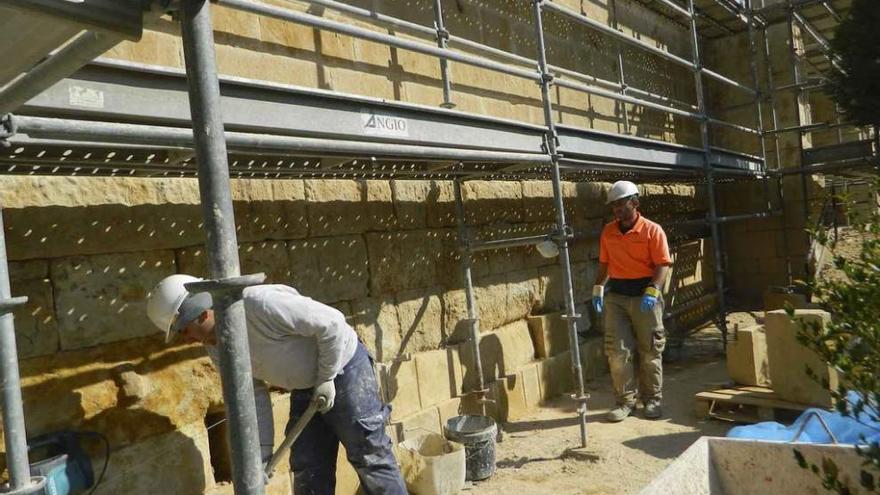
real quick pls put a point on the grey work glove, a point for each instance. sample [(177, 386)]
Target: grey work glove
[(327, 390)]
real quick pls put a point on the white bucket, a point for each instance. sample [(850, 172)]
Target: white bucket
[(432, 465)]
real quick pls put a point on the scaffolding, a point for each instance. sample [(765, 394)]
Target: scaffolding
[(277, 131)]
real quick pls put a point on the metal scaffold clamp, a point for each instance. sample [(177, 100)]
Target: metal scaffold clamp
[(8, 128), (8, 305), (226, 287)]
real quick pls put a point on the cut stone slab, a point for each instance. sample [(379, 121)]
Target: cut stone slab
[(101, 299), (549, 334), (402, 389), (36, 327), (531, 380), (789, 359), (424, 421), (778, 300), (747, 362), (439, 374)]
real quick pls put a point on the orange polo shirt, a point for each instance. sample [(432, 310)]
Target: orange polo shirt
[(636, 253)]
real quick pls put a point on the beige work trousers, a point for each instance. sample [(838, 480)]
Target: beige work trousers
[(633, 337)]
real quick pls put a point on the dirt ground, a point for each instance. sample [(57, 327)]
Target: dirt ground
[(542, 454)]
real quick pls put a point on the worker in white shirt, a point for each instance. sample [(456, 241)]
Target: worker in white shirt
[(307, 347)]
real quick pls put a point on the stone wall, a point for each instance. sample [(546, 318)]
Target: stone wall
[(758, 252), (87, 250), (261, 48)]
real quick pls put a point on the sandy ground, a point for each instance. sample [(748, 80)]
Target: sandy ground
[(542, 454)]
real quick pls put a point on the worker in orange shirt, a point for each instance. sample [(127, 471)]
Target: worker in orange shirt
[(633, 265)]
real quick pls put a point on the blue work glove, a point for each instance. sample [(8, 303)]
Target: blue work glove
[(598, 298), (649, 299)]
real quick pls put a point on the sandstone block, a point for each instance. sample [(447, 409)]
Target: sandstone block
[(594, 363), (402, 260), (492, 201), (376, 323), (510, 394), (556, 376), (449, 409), (402, 389), (94, 295), (334, 206), (424, 421), (503, 351), (329, 269), (777, 300), (747, 362), (279, 484), (441, 208), (549, 334), (789, 359), (36, 326), (439, 374), (421, 319), (182, 457), (531, 382), (411, 202)]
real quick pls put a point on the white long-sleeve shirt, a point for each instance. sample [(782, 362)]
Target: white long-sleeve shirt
[(295, 343)]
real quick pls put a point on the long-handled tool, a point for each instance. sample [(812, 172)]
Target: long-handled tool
[(315, 404)]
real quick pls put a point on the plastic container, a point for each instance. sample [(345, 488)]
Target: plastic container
[(477, 434), (432, 465)]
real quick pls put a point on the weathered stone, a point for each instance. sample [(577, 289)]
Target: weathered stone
[(424, 421), (36, 327), (376, 323), (449, 409), (181, 456), (556, 376), (502, 352), (421, 320), (531, 382), (402, 389), (402, 260), (594, 363), (747, 362), (439, 374), (279, 484), (490, 202), (549, 334), (789, 359), (27, 270), (512, 397), (333, 206), (94, 295), (411, 203)]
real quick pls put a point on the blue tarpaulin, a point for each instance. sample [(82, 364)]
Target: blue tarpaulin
[(846, 429)]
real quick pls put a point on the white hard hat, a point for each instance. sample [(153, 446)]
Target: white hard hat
[(166, 308), (547, 249), (621, 189)]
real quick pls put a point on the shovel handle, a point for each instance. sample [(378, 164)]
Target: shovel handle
[(315, 404)]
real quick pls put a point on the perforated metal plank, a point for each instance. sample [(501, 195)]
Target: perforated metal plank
[(160, 96)]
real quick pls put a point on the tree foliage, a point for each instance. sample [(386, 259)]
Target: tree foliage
[(851, 342), (857, 45)]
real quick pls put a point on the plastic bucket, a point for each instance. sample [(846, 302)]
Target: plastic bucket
[(432, 465), (477, 434)]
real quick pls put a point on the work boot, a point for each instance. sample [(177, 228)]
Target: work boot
[(619, 413), (652, 409)]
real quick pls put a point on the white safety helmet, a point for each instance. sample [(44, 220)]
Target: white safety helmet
[(621, 189), (547, 249), (171, 307)]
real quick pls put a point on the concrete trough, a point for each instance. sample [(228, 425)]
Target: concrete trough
[(728, 466)]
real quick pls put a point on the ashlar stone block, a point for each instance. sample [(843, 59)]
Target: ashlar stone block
[(747, 362), (101, 299), (439, 374), (789, 359)]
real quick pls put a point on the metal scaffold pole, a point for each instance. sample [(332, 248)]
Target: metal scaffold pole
[(710, 175), (771, 94), (222, 245), (14, 434), (799, 95), (473, 319), (561, 237), (443, 42)]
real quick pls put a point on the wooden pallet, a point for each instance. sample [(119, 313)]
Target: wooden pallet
[(745, 404)]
